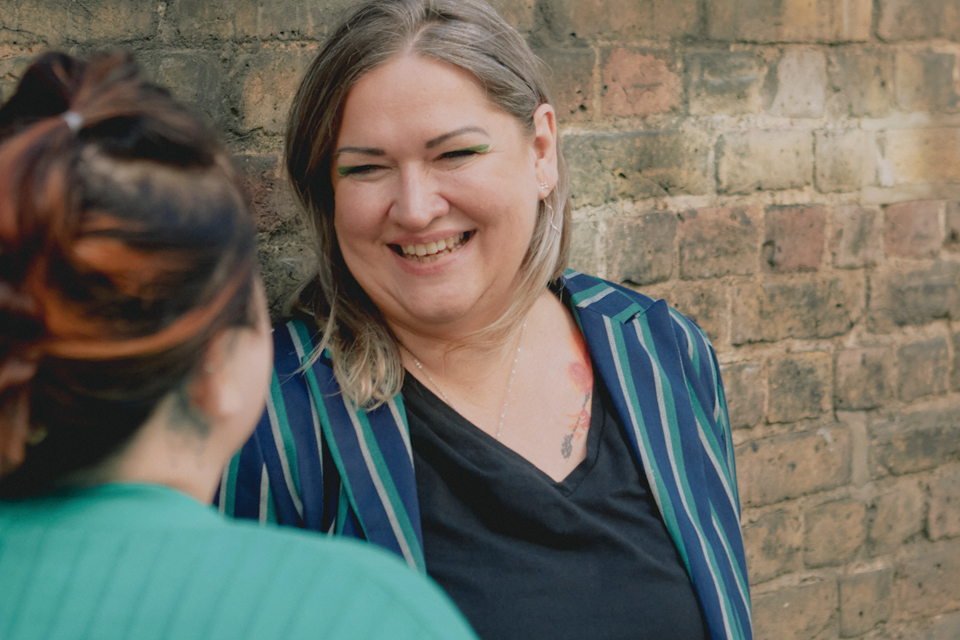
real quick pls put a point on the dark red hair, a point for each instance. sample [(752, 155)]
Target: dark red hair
[(125, 246)]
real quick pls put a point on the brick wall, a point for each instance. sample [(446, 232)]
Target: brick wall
[(785, 171)]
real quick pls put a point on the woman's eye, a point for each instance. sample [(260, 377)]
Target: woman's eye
[(466, 152), (358, 170)]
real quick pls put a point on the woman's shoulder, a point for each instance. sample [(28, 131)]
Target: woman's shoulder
[(586, 290), (620, 302), (294, 340)]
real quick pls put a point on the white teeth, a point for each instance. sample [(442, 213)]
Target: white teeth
[(432, 250)]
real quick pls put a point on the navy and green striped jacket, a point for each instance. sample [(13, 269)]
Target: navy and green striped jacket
[(317, 463)]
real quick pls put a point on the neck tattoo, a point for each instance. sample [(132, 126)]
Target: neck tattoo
[(513, 371)]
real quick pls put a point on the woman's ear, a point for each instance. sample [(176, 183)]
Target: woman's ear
[(213, 389), (545, 144)]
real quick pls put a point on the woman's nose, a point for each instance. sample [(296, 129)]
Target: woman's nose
[(418, 201)]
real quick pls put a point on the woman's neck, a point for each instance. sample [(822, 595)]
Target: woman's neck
[(166, 452), (466, 373)]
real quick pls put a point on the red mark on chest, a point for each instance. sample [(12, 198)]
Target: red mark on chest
[(580, 370)]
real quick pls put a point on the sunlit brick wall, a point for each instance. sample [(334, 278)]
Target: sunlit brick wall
[(787, 172)]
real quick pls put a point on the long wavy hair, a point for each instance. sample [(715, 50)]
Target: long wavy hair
[(465, 33), (125, 247)]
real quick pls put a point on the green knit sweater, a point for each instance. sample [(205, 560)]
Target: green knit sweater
[(147, 562)]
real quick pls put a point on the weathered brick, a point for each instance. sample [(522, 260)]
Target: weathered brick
[(723, 82), (638, 83), (286, 258), (268, 81), (92, 22), (794, 613), (923, 369), (620, 20), (756, 160), (705, 303), (801, 309), (951, 241), (795, 86), (955, 369), (746, 392), (243, 19), (570, 81), (194, 78), (637, 164), (865, 601), (943, 627), (833, 532), (794, 237), (943, 518), (912, 20), (198, 19), (925, 82), (926, 579), (585, 243), (907, 443), (862, 82), (839, 159), (719, 242), (270, 199), (640, 250), (913, 229), (789, 20), (793, 465), (897, 516), (519, 13), (914, 297), (772, 545), (863, 378), (857, 240), (10, 71), (799, 386), (916, 157)]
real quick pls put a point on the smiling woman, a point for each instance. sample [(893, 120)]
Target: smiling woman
[(429, 159), (553, 449)]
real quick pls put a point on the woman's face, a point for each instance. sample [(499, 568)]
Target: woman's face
[(436, 192)]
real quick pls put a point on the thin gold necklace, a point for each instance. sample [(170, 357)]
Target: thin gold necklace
[(513, 371)]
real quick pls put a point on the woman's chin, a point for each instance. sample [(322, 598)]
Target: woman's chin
[(439, 319)]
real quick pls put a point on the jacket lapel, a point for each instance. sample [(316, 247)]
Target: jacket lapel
[(372, 453), (634, 344)]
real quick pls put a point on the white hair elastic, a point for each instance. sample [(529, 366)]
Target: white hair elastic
[(73, 119)]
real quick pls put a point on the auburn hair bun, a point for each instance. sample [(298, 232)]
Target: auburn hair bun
[(125, 247)]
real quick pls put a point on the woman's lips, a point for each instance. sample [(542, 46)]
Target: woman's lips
[(432, 251)]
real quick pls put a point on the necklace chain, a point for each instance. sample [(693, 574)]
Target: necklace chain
[(513, 371)]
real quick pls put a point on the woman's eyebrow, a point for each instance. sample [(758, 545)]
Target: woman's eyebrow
[(374, 151), (443, 138), (367, 151)]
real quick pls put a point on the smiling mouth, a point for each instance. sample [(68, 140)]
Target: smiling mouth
[(432, 250)]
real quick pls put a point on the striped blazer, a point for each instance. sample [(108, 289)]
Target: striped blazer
[(316, 462)]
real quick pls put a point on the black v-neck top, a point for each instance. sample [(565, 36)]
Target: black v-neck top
[(525, 557)]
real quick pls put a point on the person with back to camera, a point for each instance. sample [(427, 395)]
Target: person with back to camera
[(553, 449), (134, 359)]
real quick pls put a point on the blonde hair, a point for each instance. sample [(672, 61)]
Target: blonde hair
[(465, 33)]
